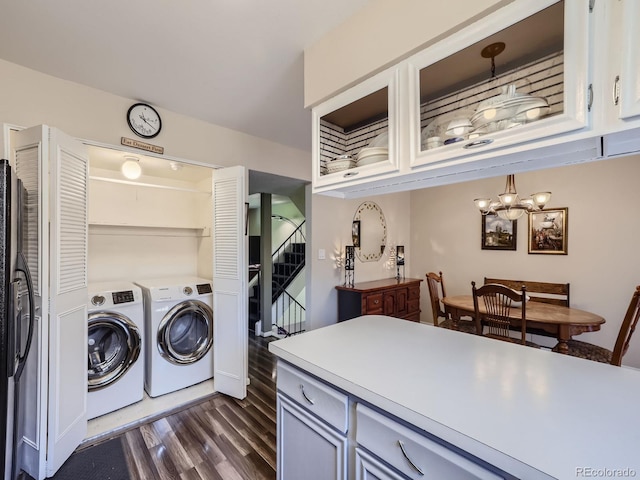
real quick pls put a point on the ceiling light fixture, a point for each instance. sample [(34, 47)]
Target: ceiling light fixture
[(509, 206), (131, 167)]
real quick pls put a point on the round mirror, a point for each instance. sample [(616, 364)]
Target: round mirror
[(369, 232)]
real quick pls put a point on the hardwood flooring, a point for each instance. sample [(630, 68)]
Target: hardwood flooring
[(220, 438)]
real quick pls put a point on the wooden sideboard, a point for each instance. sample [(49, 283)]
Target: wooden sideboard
[(395, 298)]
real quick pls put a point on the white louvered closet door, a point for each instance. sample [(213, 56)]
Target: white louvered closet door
[(230, 273), (56, 421)]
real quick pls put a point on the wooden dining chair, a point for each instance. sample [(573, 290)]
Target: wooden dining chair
[(604, 355), (497, 321), (435, 283)]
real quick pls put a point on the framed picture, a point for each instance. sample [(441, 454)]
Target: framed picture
[(548, 231), (355, 233), (498, 233)]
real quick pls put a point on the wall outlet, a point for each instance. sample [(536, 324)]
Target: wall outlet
[(322, 254)]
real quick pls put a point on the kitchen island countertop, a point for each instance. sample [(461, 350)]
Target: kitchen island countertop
[(521, 409)]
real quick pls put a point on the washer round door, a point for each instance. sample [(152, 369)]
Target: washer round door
[(114, 346), (185, 334)]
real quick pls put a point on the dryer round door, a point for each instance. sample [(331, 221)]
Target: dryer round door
[(185, 334), (114, 346)]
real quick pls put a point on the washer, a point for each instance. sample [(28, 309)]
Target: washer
[(115, 347), (178, 332)]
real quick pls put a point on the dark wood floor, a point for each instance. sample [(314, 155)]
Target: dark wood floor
[(221, 438)]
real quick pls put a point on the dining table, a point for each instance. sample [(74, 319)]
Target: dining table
[(545, 318)]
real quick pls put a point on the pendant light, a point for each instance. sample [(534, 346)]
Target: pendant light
[(509, 206)]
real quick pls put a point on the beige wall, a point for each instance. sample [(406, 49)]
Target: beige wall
[(29, 98), (602, 264), (331, 219), (380, 35)]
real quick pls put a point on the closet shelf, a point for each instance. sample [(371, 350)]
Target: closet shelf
[(104, 228)]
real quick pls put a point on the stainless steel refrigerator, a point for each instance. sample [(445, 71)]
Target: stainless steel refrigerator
[(16, 325)]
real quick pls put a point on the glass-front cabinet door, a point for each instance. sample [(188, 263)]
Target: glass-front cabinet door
[(510, 79), (355, 134)]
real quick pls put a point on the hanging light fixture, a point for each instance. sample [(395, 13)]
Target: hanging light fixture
[(509, 206), (131, 167)]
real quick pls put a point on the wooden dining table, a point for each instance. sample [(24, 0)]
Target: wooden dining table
[(554, 320)]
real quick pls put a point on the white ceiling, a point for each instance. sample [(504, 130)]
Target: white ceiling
[(234, 63)]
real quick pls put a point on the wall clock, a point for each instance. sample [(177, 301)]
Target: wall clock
[(144, 120)]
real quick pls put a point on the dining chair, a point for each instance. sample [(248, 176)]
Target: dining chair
[(435, 283), (596, 353), (496, 321)]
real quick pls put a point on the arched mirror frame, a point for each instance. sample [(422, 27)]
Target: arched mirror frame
[(370, 234)]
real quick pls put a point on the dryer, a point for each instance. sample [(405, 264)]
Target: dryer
[(178, 332), (115, 347)]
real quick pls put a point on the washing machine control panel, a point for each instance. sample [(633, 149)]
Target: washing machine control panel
[(125, 296), (187, 290), (204, 288)]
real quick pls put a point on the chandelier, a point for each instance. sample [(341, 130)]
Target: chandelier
[(510, 206)]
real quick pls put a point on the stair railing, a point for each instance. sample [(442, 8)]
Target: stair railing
[(288, 246), (291, 315)]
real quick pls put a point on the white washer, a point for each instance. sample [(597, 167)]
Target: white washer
[(115, 347), (178, 332)]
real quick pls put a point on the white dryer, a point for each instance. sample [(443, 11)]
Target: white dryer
[(178, 332), (115, 347)]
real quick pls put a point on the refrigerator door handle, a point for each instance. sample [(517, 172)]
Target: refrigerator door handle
[(21, 266), (13, 326)]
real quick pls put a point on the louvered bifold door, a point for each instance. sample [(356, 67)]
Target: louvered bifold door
[(67, 421), (230, 273)]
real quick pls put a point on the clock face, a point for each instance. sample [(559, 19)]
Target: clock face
[(144, 120)]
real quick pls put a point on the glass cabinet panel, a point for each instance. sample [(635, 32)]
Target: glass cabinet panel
[(490, 92), (355, 132)]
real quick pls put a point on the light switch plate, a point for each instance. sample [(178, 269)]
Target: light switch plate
[(321, 254)]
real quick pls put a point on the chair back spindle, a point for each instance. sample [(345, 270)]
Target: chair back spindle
[(627, 328), (496, 321)]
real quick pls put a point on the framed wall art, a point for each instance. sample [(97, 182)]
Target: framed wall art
[(498, 233), (548, 231)]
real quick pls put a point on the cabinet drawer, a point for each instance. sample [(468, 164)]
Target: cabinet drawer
[(315, 396), (373, 303), (410, 452)]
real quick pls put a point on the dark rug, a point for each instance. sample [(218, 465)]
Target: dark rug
[(105, 461)]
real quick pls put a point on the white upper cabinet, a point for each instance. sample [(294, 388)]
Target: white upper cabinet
[(617, 54), (511, 79), (355, 134)]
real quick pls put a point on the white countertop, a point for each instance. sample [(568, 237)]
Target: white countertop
[(551, 412)]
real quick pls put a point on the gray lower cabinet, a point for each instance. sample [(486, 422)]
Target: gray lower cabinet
[(328, 434), (369, 467), (409, 453), (312, 428)]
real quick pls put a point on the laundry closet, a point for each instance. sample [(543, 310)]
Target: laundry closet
[(149, 223)]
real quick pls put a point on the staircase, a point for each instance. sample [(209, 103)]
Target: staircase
[(285, 270), (288, 260)]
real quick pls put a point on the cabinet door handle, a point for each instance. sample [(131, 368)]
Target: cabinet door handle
[(413, 465), (616, 90), (350, 174), (305, 395), (590, 91), (478, 143), (375, 302)]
